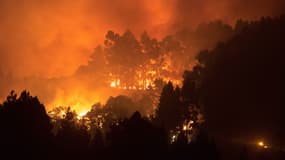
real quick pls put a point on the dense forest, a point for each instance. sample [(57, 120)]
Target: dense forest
[(208, 116)]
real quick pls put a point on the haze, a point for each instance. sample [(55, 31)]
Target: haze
[(47, 40)]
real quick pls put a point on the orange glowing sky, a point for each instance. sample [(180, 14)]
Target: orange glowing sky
[(49, 39), (52, 38)]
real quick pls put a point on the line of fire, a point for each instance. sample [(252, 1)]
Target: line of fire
[(129, 66)]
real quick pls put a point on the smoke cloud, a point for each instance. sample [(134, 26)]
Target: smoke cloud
[(43, 42), (52, 38), (189, 13)]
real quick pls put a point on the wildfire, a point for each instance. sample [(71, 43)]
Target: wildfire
[(143, 79), (82, 114), (262, 144), (115, 83), (79, 100), (141, 84)]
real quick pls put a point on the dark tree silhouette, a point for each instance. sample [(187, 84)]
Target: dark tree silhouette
[(169, 112), (238, 83), (97, 143), (25, 126), (191, 86), (137, 136), (244, 154), (72, 137), (120, 107), (201, 148), (242, 81)]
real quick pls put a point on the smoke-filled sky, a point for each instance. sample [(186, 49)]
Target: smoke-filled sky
[(51, 38)]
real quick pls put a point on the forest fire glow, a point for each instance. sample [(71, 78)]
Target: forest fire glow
[(161, 79), (82, 114), (79, 100), (141, 84), (261, 143)]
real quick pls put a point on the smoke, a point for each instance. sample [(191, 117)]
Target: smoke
[(189, 13), (44, 42), (52, 38)]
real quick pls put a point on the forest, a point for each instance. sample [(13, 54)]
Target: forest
[(211, 106)]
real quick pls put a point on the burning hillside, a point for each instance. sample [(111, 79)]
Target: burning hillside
[(125, 65)]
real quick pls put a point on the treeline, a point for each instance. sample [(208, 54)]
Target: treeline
[(236, 87), (109, 131), (28, 131), (242, 81), (241, 85), (131, 59)]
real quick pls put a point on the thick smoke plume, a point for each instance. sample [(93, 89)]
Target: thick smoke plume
[(44, 42), (188, 13)]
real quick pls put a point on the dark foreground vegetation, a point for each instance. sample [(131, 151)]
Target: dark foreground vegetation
[(232, 96)]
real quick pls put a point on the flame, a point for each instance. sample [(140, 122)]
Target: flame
[(82, 114), (79, 100), (142, 84), (80, 97), (142, 80), (113, 84), (261, 143)]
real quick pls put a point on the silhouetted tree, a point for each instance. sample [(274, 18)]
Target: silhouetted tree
[(242, 80), (137, 136), (25, 126), (244, 154), (71, 137), (120, 107), (169, 111), (191, 86), (97, 143)]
